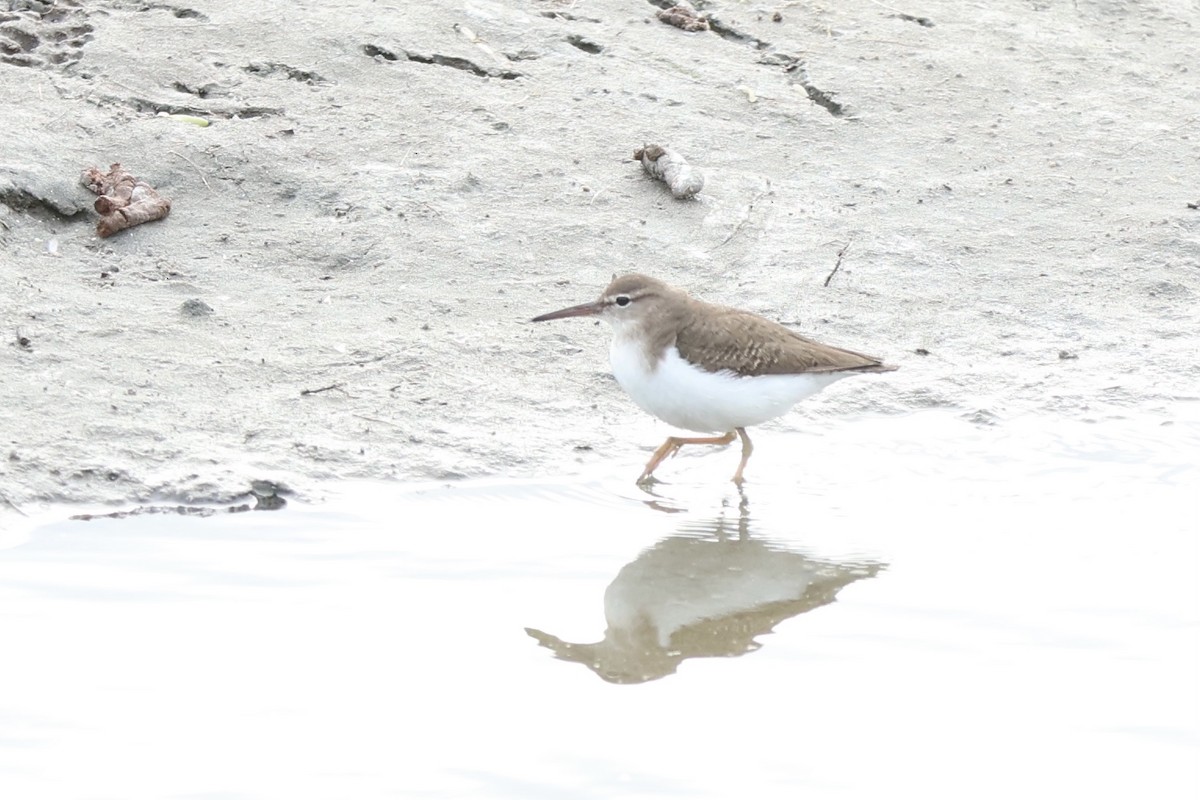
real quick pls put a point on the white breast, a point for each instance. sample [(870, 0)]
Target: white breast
[(694, 399)]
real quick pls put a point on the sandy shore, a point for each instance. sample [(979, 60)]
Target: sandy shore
[(385, 194)]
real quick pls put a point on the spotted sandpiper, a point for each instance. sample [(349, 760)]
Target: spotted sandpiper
[(709, 368)]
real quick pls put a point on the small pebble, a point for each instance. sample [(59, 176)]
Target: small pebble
[(196, 308)]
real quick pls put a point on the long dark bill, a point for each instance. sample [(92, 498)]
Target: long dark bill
[(582, 310)]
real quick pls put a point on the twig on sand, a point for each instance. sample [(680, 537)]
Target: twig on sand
[(377, 419), (838, 265), (12, 505), (745, 217), (924, 22), (328, 388), (1141, 142), (193, 163)]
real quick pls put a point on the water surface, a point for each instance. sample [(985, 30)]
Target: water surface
[(892, 606)]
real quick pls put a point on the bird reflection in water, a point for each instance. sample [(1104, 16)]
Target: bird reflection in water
[(708, 591)]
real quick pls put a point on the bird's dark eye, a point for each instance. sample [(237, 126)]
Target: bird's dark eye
[(622, 300)]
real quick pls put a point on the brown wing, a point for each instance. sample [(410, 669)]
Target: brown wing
[(726, 338)]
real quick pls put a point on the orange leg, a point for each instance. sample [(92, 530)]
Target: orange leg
[(671, 446), (747, 449)]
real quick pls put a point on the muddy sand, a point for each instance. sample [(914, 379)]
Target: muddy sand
[(385, 194)]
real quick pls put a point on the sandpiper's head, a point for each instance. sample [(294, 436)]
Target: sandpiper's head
[(627, 301)]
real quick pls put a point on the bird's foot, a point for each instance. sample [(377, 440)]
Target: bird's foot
[(647, 480), (673, 445)]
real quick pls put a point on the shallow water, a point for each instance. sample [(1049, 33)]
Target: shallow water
[(894, 605)]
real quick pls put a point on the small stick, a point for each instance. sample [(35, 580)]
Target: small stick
[(838, 265), (923, 21), (377, 419), (193, 163), (742, 221), (359, 362), (1141, 142), (670, 168), (12, 505), (322, 389)]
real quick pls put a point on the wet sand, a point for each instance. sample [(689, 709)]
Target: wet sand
[(387, 193)]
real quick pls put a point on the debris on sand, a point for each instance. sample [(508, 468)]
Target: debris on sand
[(684, 17), (124, 200), (670, 168)]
